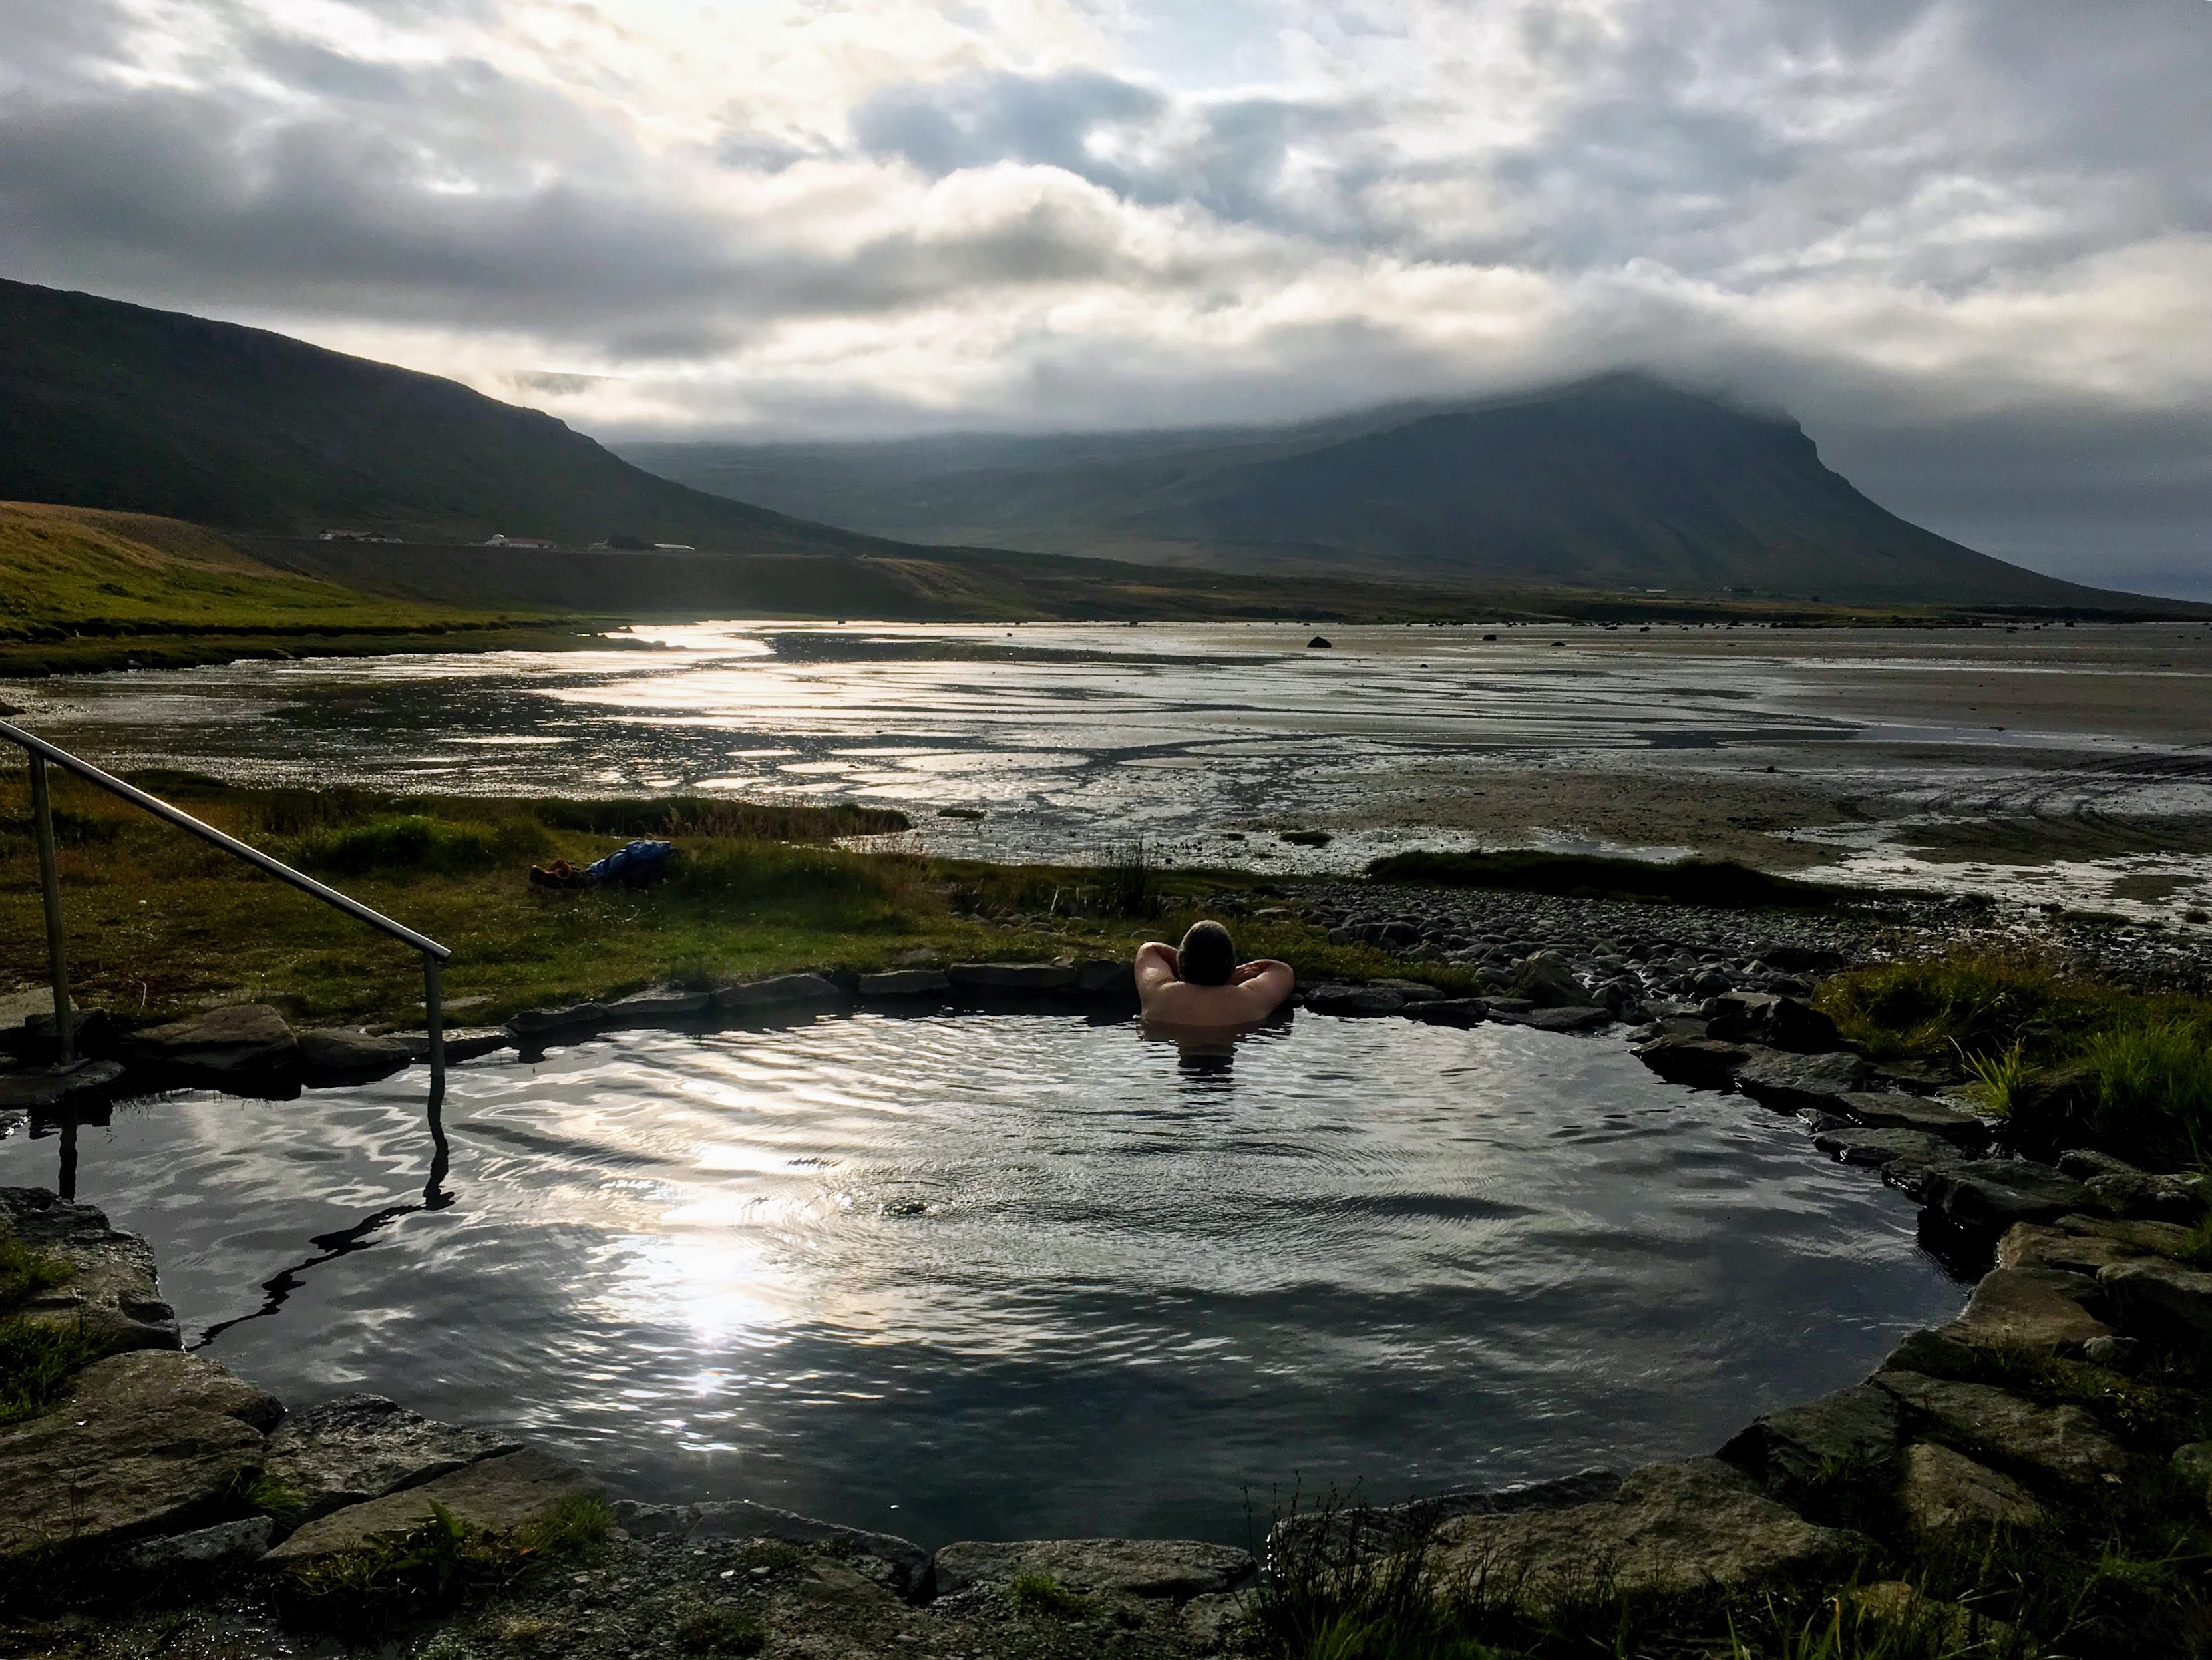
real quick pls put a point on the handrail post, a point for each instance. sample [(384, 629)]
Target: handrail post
[(50, 880), (433, 1022)]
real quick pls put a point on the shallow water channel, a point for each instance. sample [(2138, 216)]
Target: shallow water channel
[(1002, 1276)]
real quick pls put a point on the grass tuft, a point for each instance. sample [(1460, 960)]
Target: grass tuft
[(37, 1358), (25, 1272), (720, 1630), (1997, 1078), (1689, 882), (1040, 1593), (2154, 1090), (416, 844)]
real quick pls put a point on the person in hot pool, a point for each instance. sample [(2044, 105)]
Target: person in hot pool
[(1200, 986)]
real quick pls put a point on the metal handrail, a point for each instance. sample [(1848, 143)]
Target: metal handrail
[(39, 753)]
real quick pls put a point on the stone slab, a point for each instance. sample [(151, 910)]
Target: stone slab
[(1671, 1529), (2140, 1197), (497, 1495), (661, 1006), (91, 1478), (1988, 1196), (782, 992), (1894, 1109), (238, 1040), (1177, 1569), (1354, 1001), (225, 1545), (2035, 1245), (50, 1089), (2175, 1302), (1793, 1451), (361, 1447), (1461, 1011), (462, 1043), (1940, 1490), (111, 1290), (1107, 980), (1791, 1083), (534, 1027), (148, 1382), (2041, 1309), (2152, 1238), (2062, 1443), (348, 1053), (1878, 1148)]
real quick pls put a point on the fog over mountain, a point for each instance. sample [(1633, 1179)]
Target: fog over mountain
[(1968, 244)]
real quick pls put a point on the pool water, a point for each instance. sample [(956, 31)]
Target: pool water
[(1008, 1276)]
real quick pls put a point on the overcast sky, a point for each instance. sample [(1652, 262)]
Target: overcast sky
[(1968, 243)]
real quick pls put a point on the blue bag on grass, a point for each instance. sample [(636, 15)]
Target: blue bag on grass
[(638, 863)]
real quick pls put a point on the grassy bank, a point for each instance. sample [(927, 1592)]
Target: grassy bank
[(2129, 1072), (157, 919)]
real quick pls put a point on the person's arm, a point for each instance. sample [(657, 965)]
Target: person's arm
[(1156, 965), (1266, 983)]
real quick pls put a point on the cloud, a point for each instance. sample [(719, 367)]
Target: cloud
[(1947, 233)]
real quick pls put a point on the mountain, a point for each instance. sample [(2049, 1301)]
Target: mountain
[(104, 404), (1621, 483)]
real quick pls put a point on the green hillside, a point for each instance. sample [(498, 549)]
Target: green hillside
[(105, 404), (1622, 483)]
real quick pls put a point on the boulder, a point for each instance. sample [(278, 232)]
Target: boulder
[(2085, 1163), (1701, 1062), (347, 1054), (1853, 1430), (2030, 1308), (1936, 1354), (52, 1089), (1671, 1529), (2172, 1301), (1547, 980), (1894, 1109), (900, 983), (781, 994), (1940, 1490), (1462, 1012), (2032, 1245), (1793, 1083), (361, 1447), (1780, 1022), (740, 1518), (146, 1382), (2152, 1238), (225, 1545), (496, 1494), (2140, 1197), (112, 1293), (241, 1042), (2061, 1443), (1011, 979), (1177, 1569), (1211, 1624), (1565, 1018), (1988, 1196), (1354, 999), (104, 1470), (1877, 1148), (1380, 1529)]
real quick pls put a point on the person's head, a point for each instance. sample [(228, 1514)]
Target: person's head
[(1207, 954)]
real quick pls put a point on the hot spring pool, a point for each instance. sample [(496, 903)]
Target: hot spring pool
[(969, 1276)]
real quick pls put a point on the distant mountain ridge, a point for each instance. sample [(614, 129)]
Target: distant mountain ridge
[(105, 404), (1622, 482)]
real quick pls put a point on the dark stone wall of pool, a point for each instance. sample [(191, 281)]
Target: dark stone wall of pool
[(162, 1488)]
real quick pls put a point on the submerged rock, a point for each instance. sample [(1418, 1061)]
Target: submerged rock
[(1671, 1529), (1894, 1109), (1569, 1018), (1461, 1011), (497, 1495), (50, 1089), (1878, 1148), (361, 1447), (1174, 1568), (1700, 1063), (906, 982)]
